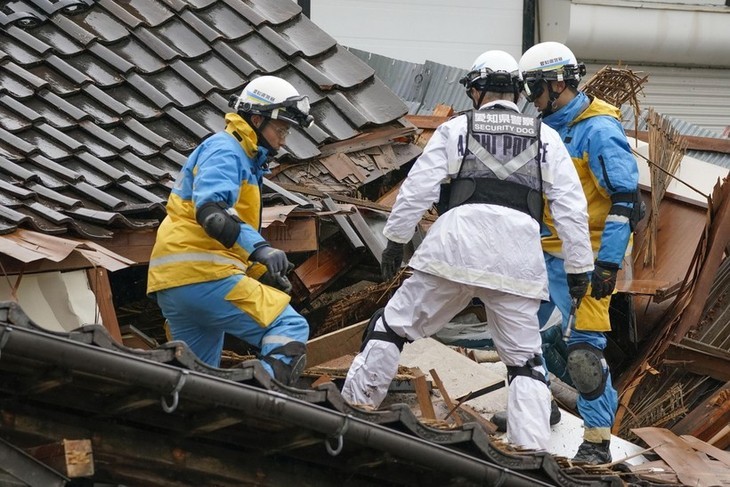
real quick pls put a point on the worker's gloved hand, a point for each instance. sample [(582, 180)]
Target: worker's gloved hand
[(277, 281), (391, 259), (604, 279), (578, 285), (274, 259)]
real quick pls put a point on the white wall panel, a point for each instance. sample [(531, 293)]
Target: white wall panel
[(452, 32)]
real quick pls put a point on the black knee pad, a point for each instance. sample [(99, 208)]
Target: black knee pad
[(387, 336), (588, 370), (288, 374)]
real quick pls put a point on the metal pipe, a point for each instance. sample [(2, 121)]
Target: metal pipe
[(165, 379)]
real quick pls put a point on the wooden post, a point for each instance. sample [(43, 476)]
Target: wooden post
[(100, 286)]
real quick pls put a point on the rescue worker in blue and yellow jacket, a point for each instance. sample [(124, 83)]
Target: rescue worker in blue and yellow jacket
[(592, 132), (211, 271)]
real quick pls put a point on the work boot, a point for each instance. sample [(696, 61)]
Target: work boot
[(594, 453), (500, 418)]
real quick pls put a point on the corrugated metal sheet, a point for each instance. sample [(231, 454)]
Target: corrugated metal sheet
[(698, 96), (696, 100)]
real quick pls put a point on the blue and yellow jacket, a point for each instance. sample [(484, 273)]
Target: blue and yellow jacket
[(597, 144), (227, 167)]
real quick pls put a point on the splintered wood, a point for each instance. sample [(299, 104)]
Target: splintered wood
[(688, 459)]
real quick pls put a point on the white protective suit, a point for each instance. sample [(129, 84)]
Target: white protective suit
[(478, 250)]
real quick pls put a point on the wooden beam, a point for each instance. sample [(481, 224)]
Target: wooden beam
[(423, 394), (697, 361), (336, 344), (366, 141), (72, 458), (296, 188), (694, 142), (102, 289)]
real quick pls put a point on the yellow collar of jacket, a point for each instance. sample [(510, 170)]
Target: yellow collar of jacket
[(243, 132)]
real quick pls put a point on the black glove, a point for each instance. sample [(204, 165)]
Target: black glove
[(277, 281), (578, 285), (604, 279), (274, 259), (391, 260)]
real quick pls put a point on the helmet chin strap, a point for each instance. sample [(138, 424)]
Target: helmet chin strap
[(263, 142), (552, 98), (478, 104)]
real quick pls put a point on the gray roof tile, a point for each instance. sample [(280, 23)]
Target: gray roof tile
[(100, 107), (135, 52), (60, 42), (182, 39), (224, 20)]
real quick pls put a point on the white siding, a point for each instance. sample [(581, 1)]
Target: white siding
[(452, 32)]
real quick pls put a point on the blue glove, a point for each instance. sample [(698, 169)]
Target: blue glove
[(603, 280), (391, 260)]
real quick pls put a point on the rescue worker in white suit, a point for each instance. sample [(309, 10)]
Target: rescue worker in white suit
[(499, 164)]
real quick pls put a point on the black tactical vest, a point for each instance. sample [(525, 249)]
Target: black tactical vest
[(500, 164)]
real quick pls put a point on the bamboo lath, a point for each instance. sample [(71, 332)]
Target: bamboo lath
[(666, 150), (655, 411), (617, 86)]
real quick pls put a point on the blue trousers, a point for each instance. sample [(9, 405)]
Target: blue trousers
[(600, 412), (199, 315)]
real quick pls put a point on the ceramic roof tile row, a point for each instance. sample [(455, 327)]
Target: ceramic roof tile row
[(101, 101)]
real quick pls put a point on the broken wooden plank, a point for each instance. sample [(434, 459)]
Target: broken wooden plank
[(314, 275), (294, 235), (423, 395), (337, 197), (72, 458), (694, 142), (336, 344), (488, 426), (134, 338), (713, 451), (367, 140), (445, 395), (690, 467)]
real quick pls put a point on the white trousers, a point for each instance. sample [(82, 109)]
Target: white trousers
[(421, 307)]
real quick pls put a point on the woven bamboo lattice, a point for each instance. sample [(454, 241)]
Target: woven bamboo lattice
[(617, 86), (666, 150), (359, 305), (656, 412)]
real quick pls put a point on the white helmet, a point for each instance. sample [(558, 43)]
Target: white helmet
[(273, 97), (495, 71), (549, 61)]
